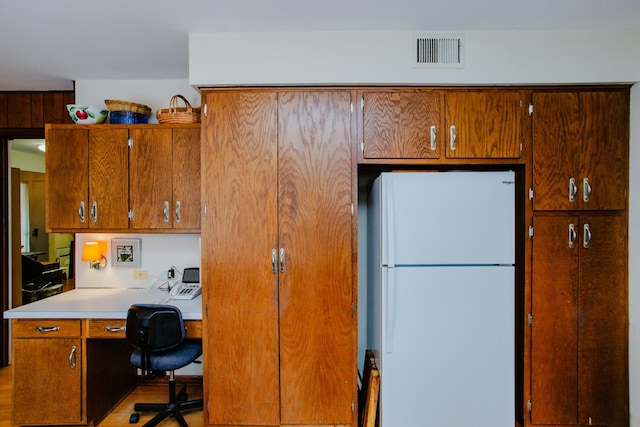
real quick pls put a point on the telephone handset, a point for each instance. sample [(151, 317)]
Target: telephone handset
[(185, 291)]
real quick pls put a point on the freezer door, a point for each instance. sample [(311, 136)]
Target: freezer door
[(434, 218), (452, 359)]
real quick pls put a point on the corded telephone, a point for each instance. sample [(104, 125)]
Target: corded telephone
[(190, 286), (185, 291)]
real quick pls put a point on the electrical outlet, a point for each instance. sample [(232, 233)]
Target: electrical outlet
[(171, 273), (140, 274)]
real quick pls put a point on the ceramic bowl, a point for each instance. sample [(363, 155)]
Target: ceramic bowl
[(122, 117), (86, 114)]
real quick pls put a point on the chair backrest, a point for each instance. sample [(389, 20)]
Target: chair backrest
[(154, 327)]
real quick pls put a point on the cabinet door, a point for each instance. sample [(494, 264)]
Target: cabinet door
[(602, 311), (239, 233), (578, 136), (67, 178), (401, 124), (314, 187), (150, 178), (108, 178), (186, 178), (50, 391), (484, 124), (554, 331)]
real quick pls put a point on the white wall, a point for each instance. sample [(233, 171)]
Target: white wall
[(153, 93), (26, 161), (158, 253)]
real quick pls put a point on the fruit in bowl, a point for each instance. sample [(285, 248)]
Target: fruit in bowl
[(86, 114)]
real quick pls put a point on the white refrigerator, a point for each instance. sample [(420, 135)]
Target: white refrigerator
[(441, 295)]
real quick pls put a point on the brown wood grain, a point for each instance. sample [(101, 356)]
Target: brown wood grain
[(314, 182), (50, 392), (603, 374), (239, 181), (19, 110), (108, 177), (488, 123), (67, 177), (186, 177), (397, 124), (150, 178), (554, 332)]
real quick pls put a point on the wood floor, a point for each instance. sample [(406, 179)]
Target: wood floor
[(119, 417)]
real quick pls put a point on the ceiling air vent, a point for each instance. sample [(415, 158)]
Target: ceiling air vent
[(438, 51)]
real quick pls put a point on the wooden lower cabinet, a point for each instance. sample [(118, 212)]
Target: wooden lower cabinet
[(47, 367), (277, 258), (579, 321)]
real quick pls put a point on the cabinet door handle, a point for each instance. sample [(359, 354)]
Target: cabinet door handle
[(178, 211), (114, 328), (586, 236), (274, 261), (81, 211), (452, 137), (281, 260), (47, 328), (165, 211), (94, 211), (586, 190), (72, 357), (572, 235), (433, 138), (573, 190)]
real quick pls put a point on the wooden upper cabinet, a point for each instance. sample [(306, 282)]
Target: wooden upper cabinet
[(484, 124), (86, 178), (402, 124), (164, 178), (580, 149)]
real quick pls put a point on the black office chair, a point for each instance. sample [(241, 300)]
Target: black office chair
[(158, 334)]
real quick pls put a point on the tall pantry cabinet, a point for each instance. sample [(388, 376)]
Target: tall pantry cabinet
[(277, 257), (579, 287)]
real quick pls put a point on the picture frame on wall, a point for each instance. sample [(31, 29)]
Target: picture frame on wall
[(125, 253)]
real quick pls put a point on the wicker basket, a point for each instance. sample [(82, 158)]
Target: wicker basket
[(175, 114), (118, 105)]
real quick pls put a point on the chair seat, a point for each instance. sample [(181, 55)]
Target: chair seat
[(171, 359)]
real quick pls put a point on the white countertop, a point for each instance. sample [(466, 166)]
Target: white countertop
[(101, 303)]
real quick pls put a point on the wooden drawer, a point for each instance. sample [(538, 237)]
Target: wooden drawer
[(106, 328), (46, 328), (194, 328)]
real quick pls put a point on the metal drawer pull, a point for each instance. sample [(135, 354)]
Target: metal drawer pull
[(586, 190), (47, 328), (572, 235), (573, 190), (274, 261), (586, 237), (72, 357), (165, 210), (178, 216), (81, 212), (281, 260), (94, 211), (433, 138), (115, 328), (452, 137)]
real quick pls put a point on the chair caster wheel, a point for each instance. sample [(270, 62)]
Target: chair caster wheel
[(134, 418)]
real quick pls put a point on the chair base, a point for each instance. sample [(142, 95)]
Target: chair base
[(177, 403)]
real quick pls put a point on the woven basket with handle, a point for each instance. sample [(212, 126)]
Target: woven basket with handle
[(175, 114)]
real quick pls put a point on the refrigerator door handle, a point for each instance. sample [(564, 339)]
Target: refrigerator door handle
[(391, 304), (391, 237)]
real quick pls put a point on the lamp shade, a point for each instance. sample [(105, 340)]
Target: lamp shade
[(91, 252)]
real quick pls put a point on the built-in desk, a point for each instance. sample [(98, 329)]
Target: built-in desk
[(70, 361)]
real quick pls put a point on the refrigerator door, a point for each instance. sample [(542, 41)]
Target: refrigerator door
[(452, 360), (436, 218)]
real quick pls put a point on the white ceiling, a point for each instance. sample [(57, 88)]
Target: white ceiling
[(46, 44)]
